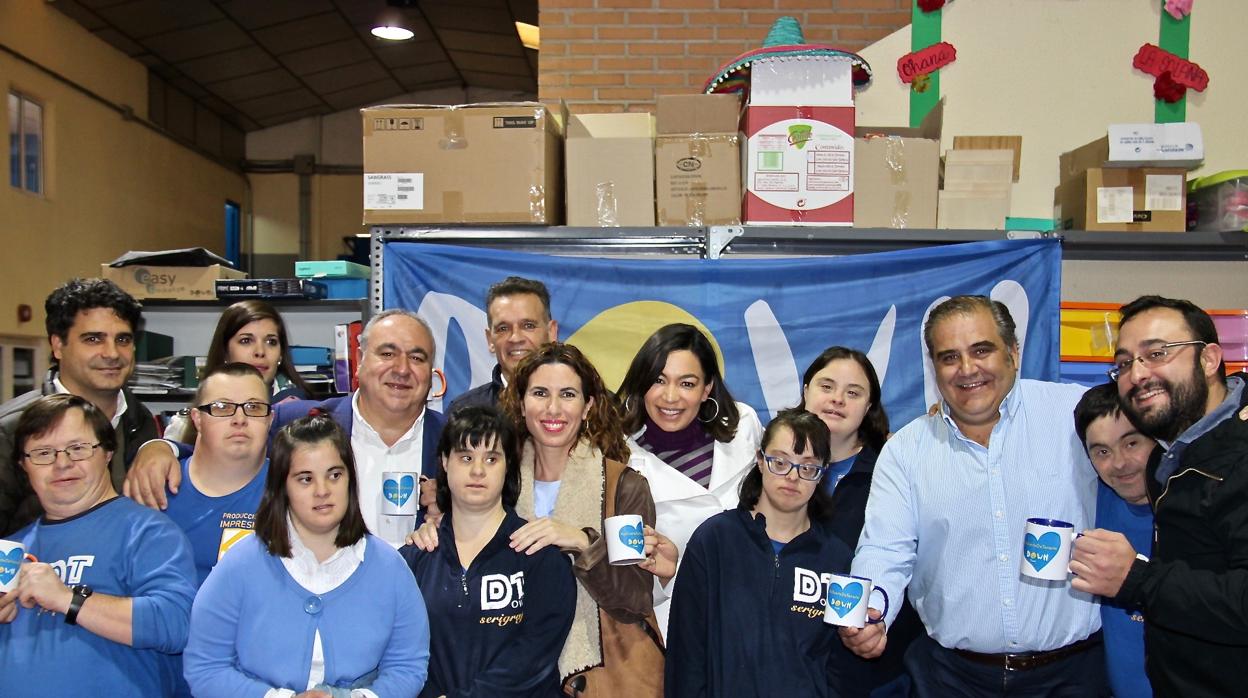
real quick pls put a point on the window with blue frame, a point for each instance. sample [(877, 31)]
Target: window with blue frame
[(25, 143)]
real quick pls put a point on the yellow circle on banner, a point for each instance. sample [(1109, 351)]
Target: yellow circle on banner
[(611, 338)]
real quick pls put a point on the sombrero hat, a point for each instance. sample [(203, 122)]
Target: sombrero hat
[(784, 42)]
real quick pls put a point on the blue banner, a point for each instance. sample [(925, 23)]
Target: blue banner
[(769, 318)]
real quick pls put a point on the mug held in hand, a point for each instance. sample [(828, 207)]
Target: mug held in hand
[(845, 602), (626, 540)]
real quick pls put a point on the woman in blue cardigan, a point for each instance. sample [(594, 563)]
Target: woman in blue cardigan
[(747, 610), (498, 617), (312, 604)]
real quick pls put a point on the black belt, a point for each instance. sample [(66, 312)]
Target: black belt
[(1031, 660)]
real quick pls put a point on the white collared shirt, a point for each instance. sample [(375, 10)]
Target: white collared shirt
[(372, 458), (319, 578), (121, 399)]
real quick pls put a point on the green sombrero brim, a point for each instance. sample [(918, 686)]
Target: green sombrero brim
[(733, 76)]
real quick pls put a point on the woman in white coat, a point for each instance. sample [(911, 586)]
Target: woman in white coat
[(691, 440)]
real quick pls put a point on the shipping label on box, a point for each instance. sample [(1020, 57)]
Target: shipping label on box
[(176, 283), (799, 165), (475, 163), (1156, 145)]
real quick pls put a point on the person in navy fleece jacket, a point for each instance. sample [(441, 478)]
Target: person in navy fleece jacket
[(498, 617), (747, 609)]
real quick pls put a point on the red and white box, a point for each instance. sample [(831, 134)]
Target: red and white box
[(798, 165)]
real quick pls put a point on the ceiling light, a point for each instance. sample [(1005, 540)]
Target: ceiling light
[(391, 33), (529, 35)]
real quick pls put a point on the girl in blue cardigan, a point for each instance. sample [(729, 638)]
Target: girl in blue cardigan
[(499, 617), (312, 604)]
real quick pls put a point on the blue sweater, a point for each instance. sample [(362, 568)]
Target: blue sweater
[(510, 649), (213, 524), (250, 631), (748, 621), (117, 548), (1123, 628)]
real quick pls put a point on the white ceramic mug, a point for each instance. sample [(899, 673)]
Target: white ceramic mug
[(400, 493), (1046, 549), (846, 600), (626, 539), (12, 555)]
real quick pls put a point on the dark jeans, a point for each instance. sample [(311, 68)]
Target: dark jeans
[(937, 672)]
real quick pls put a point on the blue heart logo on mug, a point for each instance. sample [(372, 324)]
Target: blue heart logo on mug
[(397, 492), (842, 600), (633, 537), (10, 563), (1041, 551)]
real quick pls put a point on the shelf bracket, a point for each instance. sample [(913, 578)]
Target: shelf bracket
[(719, 237)]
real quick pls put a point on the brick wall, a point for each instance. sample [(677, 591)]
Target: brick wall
[(617, 55)]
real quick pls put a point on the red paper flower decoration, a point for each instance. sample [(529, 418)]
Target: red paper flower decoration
[(1166, 89), (931, 5)]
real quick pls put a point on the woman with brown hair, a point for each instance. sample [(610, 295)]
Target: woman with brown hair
[(573, 476), (250, 332)]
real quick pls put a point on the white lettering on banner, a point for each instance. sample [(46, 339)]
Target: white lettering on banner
[(70, 571), (500, 591), (808, 586)]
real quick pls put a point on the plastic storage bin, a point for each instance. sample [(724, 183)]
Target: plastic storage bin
[(1089, 329), (1232, 326), (1220, 202)]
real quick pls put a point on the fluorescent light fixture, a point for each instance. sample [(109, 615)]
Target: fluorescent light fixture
[(529, 35), (391, 33)]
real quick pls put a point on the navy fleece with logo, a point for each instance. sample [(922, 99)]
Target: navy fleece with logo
[(748, 621), (496, 628)]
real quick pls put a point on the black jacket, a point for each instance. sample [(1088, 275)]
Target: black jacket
[(511, 650), (746, 621), (18, 503), (849, 508), (484, 395), (1194, 591)]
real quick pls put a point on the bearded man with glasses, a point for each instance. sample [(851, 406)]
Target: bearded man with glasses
[(1193, 585)]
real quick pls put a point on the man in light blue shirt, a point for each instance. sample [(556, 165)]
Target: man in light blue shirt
[(945, 521)]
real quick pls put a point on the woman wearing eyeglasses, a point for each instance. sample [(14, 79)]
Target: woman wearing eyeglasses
[(103, 599), (223, 480), (747, 610)]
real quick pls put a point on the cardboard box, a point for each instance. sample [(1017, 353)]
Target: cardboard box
[(813, 81), (474, 163), (697, 160), (610, 170), (969, 169), (1013, 144), (175, 283), (897, 174), (1142, 199), (1156, 145), (973, 210), (799, 165)]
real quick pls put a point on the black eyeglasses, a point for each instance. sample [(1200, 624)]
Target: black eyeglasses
[(1157, 356), (221, 408), (47, 456), (806, 471)]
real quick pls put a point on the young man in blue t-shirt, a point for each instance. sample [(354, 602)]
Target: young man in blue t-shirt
[(224, 478), (1119, 452)]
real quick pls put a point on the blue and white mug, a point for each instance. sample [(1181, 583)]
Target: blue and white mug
[(1046, 549), (846, 599), (400, 493)]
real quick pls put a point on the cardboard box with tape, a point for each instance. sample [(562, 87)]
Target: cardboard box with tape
[(474, 163), (697, 160)]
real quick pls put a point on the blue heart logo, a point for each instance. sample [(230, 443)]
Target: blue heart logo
[(397, 492), (633, 537), (842, 600), (1040, 551), (10, 563)]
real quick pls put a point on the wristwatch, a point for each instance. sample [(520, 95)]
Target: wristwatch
[(81, 592)]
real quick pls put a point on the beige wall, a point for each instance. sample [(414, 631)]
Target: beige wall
[(111, 185)]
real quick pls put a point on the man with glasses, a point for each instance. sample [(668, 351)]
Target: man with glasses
[(1193, 587), (946, 517), (91, 326), (222, 481)]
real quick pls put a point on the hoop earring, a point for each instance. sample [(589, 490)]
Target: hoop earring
[(712, 417), (441, 377), (627, 402)]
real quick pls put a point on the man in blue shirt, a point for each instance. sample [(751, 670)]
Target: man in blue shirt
[(946, 516), (1193, 588), (223, 480), (1119, 452)]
